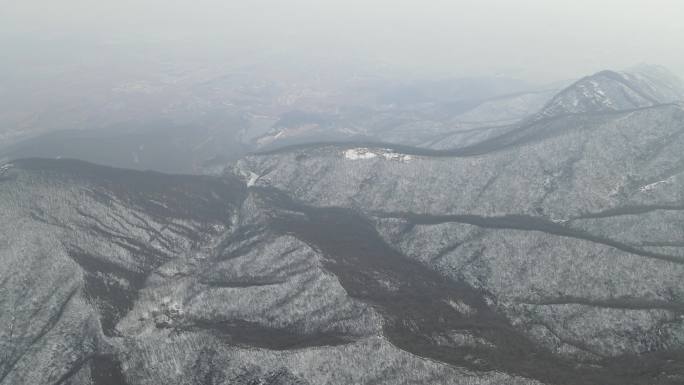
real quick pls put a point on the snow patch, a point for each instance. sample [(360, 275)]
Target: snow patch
[(367, 153), (5, 167), (250, 178), (461, 307), (653, 186), (359, 153), (253, 178), (397, 157)]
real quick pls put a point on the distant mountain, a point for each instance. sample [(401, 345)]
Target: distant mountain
[(225, 117), (643, 86), (507, 109), (657, 81), (151, 145), (602, 93)]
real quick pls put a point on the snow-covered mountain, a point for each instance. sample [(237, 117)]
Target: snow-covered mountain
[(547, 252), (642, 86), (571, 226), (115, 277)]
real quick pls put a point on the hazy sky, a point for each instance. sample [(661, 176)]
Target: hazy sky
[(543, 39)]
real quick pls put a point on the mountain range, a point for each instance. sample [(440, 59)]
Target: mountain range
[(544, 250)]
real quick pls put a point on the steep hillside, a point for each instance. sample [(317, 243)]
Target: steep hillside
[(571, 225), (120, 277)]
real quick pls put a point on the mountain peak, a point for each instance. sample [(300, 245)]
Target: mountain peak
[(605, 91)]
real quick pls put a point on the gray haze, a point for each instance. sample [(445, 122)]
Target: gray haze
[(539, 40), (341, 192)]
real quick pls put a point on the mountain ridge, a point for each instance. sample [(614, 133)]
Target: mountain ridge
[(614, 91)]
